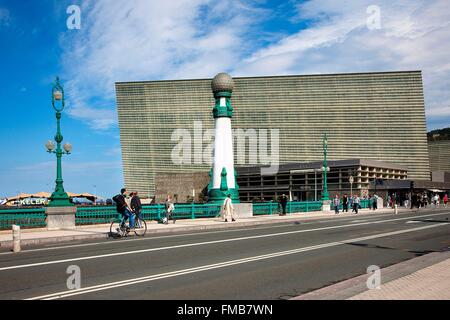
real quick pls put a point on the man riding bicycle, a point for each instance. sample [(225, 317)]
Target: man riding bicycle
[(123, 208)]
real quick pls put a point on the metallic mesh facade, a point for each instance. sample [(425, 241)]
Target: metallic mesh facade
[(439, 155), (379, 116)]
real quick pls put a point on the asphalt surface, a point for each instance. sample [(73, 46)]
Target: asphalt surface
[(277, 261)]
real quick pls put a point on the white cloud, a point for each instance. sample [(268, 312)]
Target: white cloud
[(126, 40), (414, 35), (4, 17)]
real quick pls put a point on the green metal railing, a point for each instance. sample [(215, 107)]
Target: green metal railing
[(95, 215), (269, 208), (25, 218), (98, 215), (265, 208)]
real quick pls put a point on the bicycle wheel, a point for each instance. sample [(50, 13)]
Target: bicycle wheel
[(140, 227), (115, 230)]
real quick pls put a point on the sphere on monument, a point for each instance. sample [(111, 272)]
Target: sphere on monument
[(222, 82)]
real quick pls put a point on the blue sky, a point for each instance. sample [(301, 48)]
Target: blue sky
[(125, 40)]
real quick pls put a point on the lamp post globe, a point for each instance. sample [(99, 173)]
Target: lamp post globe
[(57, 95), (68, 148), (50, 145)]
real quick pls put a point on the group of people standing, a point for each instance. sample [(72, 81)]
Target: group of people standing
[(421, 200), (354, 202)]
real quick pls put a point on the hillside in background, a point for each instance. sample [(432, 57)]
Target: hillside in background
[(439, 134)]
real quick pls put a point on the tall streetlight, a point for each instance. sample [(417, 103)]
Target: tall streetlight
[(325, 195), (59, 197), (351, 180)]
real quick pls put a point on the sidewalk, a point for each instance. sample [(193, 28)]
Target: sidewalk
[(423, 278), (41, 236)]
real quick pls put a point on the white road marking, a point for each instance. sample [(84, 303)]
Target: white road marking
[(195, 244), (111, 285)]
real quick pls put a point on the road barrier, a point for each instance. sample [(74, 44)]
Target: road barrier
[(269, 208), (25, 218)]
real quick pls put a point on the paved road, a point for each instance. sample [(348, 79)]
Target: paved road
[(276, 261)]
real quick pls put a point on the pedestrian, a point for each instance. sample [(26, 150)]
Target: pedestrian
[(123, 207), (414, 200), (228, 209), (408, 200), (136, 206), (420, 202), (170, 207), (283, 203), (445, 200), (436, 200), (356, 202), (393, 201), (337, 203), (375, 202), (345, 203)]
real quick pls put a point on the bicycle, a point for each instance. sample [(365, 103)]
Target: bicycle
[(120, 229)]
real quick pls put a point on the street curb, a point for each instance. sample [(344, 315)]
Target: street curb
[(351, 287), (222, 225)]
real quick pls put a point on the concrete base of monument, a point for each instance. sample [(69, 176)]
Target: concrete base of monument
[(60, 218), (218, 196), (326, 205), (243, 210)]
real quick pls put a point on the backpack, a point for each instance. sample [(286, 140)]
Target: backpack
[(115, 198)]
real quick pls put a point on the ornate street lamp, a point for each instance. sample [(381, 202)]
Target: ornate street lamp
[(59, 197), (325, 195)]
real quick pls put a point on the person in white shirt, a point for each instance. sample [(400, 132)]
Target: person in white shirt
[(228, 209), (436, 200)]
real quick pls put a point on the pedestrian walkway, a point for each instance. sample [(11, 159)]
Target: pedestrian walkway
[(432, 283), (423, 278), (40, 236)]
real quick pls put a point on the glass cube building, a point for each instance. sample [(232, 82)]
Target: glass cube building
[(373, 116)]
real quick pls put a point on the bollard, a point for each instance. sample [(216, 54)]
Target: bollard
[(396, 209), (16, 238)]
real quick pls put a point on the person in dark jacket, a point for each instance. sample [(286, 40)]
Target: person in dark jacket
[(136, 205), (123, 208), (345, 203), (283, 202)]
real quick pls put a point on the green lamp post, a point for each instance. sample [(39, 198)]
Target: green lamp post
[(325, 195), (59, 197)]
